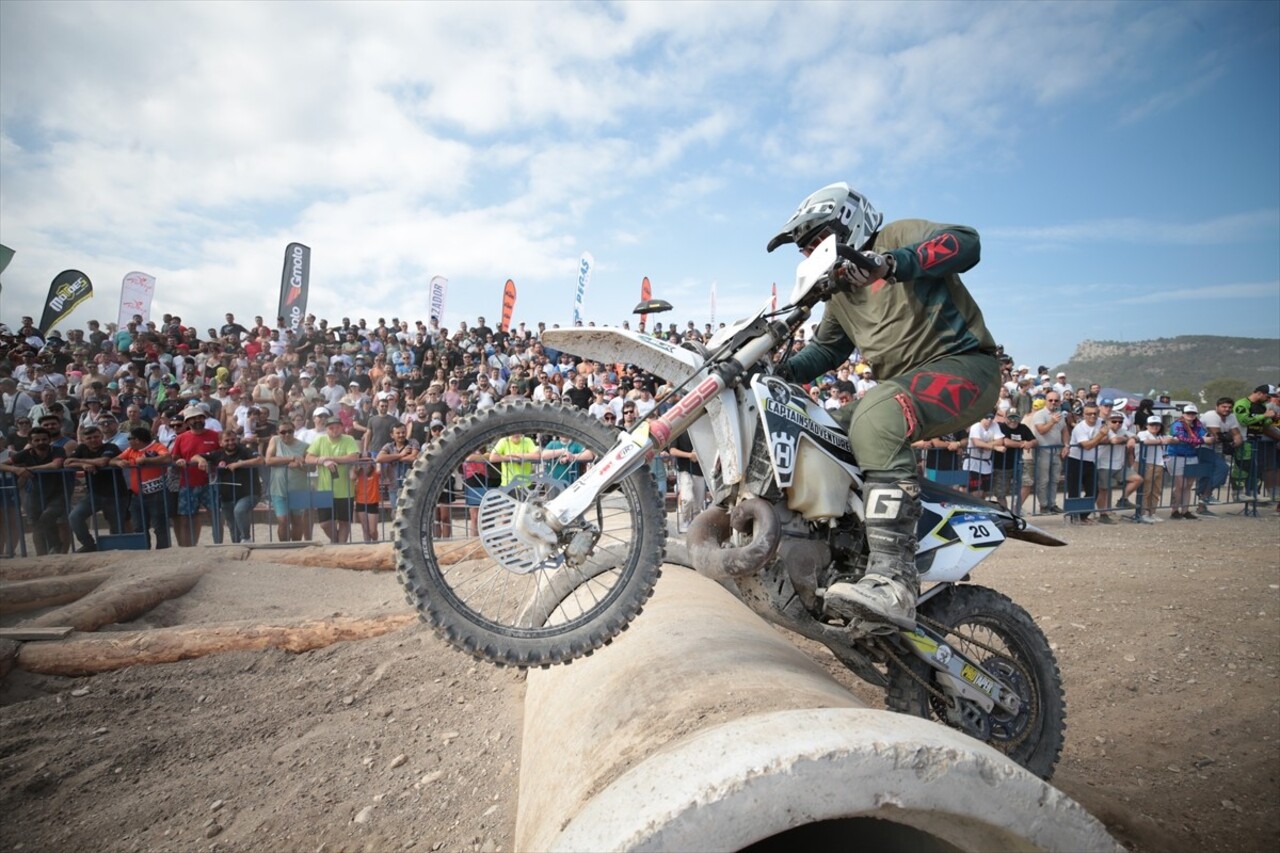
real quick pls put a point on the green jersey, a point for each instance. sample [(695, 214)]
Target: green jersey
[(925, 315)]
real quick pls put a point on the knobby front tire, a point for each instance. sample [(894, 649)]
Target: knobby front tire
[(975, 614), (556, 612)]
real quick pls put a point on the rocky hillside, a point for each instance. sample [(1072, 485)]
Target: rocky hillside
[(1186, 366)]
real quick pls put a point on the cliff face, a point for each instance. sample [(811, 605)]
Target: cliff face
[(1187, 363)]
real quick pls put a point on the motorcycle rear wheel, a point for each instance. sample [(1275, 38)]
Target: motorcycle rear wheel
[(553, 611), (974, 614)]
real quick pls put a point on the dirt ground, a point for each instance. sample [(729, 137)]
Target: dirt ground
[(1167, 638)]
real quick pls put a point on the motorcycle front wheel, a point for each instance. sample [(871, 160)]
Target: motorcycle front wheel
[(454, 549), (989, 629)]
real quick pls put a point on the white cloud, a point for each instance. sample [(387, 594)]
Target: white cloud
[(1215, 292), (1233, 228)]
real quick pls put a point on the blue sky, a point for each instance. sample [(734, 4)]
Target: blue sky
[(1120, 160)]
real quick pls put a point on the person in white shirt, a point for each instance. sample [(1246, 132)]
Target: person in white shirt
[(865, 382), (1151, 444), (1114, 470), (985, 440), (1082, 457), (1062, 386), (1223, 434)]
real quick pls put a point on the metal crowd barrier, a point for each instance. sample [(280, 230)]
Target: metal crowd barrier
[(1246, 476)]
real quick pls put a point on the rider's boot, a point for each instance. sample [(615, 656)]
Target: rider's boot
[(887, 592)]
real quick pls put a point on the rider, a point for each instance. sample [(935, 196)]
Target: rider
[(924, 336)]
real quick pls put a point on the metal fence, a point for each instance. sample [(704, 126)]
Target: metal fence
[(1041, 481), (61, 511)]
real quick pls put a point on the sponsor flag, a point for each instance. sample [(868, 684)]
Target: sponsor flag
[(295, 285), (584, 277), (67, 290), (136, 291), (774, 305), (439, 290), (508, 305), (646, 293), (6, 255), (713, 306)]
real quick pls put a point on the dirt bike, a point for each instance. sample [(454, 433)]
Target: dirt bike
[(532, 534)]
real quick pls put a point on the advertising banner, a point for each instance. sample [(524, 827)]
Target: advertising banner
[(584, 277), (67, 290), (439, 290), (295, 285), (136, 290), (508, 305)]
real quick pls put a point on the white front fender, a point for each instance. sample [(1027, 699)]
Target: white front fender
[(675, 365)]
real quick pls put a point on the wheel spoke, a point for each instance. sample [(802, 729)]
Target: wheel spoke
[(502, 597)]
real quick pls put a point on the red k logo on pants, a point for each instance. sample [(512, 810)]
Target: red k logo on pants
[(953, 394)]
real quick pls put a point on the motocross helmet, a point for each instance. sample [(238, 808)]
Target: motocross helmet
[(837, 207)]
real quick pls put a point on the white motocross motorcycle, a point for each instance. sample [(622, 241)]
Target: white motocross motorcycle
[(531, 535)]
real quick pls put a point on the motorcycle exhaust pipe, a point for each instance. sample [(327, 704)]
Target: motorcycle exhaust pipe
[(712, 528), (702, 728)]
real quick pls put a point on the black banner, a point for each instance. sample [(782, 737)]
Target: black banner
[(67, 290), (295, 283)]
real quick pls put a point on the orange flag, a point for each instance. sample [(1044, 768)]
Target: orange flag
[(646, 293), (508, 305)]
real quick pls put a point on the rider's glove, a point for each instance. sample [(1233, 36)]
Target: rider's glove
[(879, 266)]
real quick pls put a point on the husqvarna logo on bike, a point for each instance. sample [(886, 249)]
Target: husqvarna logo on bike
[(783, 446)]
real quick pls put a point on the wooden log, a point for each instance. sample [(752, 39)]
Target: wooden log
[(365, 558), (19, 596), (361, 558), (119, 601), (35, 633), (44, 567), (116, 650)]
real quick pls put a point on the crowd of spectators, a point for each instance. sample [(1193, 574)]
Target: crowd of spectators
[(304, 405)]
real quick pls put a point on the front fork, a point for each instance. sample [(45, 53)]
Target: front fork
[(957, 675)]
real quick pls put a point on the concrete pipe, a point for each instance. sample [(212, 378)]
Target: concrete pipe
[(702, 728)]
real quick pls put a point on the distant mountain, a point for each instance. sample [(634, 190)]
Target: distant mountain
[(1196, 367)]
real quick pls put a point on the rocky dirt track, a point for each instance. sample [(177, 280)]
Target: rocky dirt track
[(1167, 638)]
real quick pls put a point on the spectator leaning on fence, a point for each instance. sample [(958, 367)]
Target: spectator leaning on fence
[(1152, 443), (1114, 469), (1012, 473), (1050, 429), (333, 453), (1187, 435)]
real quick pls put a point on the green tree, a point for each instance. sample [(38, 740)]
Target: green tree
[(1226, 386)]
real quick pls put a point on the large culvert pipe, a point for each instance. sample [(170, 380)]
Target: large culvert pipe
[(702, 728)]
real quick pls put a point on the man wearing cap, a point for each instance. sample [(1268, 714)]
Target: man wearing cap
[(1152, 443), (193, 475), (985, 441), (1251, 413), (111, 431), (1113, 463), (332, 454), (1011, 476)]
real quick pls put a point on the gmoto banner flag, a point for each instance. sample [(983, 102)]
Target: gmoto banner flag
[(646, 293), (439, 289), (136, 291), (67, 290), (295, 285), (584, 277), (508, 305)]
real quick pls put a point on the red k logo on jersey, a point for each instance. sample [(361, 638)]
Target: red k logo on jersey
[(953, 394), (933, 252)]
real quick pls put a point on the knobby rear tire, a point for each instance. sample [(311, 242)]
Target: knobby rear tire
[(456, 597)]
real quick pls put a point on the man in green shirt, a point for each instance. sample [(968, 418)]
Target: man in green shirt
[(906, 309), (516, 454), (332, 454)]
